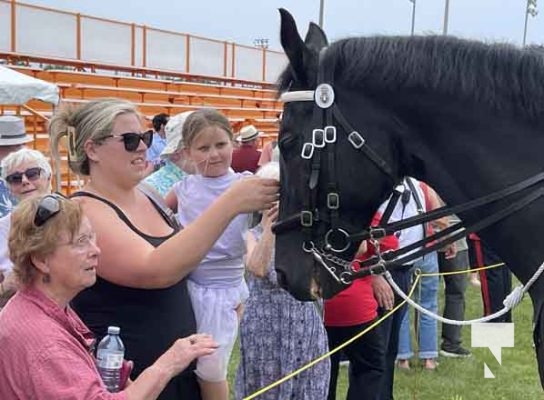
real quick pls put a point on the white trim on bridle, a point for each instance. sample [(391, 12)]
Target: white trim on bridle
[(300, 95)]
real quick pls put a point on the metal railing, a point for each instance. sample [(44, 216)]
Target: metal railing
[(45, 32)]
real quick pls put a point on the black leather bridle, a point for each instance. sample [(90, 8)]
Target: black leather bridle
[(319, 150)]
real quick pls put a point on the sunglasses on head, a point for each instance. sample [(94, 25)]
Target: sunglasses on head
[(131, 140), (48, 207), (32, 174)]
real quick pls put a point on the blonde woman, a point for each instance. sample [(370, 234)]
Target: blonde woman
[(145, 259)]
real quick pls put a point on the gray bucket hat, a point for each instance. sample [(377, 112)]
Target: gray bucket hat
[(12, 131)]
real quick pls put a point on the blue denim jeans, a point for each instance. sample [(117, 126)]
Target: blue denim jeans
[(427, 296)]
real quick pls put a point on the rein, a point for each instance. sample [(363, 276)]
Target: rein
[(336, 239)]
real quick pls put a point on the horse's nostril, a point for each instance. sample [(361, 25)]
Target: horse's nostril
[(282, 280)]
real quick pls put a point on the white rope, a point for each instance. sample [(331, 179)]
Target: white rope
[(511, 301)]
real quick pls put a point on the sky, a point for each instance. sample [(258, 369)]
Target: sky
[(243, 21)]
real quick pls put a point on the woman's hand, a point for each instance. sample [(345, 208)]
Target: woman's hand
[(382, 292), (184, 351), (253, 194), (269, 217)]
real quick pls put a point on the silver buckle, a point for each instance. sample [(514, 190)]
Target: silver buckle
[(330, 134), (318, 138), (356, 140), (306, 218), (307, 151), (333, 201)]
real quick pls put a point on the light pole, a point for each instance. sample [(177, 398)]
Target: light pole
[(529, 10), (261, 43), (446, 17), (321, 11), (413, 16)]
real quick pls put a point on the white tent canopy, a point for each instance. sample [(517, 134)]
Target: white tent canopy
[(17, 88)]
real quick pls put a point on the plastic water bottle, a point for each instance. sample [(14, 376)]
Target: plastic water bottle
[(109, 357)]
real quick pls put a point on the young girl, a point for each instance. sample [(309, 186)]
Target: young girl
[(217, 286)]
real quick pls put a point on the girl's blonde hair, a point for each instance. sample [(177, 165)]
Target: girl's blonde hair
[(91, 121), (201, 119)]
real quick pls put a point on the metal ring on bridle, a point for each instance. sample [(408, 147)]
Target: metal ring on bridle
[(308, 246), (346, 278), (328, 244)]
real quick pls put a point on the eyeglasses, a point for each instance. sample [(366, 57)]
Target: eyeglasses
[(32, 174), (48, 207), (131, 140)]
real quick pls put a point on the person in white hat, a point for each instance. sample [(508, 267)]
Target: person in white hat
[(176, 165), (246, 157), (13, 136)]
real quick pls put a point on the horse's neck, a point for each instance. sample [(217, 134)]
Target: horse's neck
[(466, 152)]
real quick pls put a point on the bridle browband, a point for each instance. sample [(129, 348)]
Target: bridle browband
[(321, 142)]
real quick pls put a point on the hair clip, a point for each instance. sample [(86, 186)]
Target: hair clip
[(72, 153)]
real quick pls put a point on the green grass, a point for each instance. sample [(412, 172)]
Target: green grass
[(463, 379)]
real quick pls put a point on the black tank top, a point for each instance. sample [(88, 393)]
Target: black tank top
[(150, 319)]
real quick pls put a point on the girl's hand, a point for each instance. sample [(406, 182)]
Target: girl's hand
[(253, 194)]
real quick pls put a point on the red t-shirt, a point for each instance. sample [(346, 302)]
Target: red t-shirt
[(357, 305), (245, 158)]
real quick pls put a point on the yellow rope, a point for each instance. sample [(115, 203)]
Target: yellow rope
[(326, 355), (368, 329), (465, 271)]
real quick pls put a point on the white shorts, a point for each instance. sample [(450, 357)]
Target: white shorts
[(215, 314)]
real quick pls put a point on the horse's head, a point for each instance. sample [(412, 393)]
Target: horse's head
[(332, 180)]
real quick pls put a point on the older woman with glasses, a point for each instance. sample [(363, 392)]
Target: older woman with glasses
[(45, 349), (145, 259), (27, 173)]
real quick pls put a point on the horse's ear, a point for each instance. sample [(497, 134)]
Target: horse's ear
[(316, 38), (292, 44)]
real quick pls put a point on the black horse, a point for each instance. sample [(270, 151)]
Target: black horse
[(463, 116)]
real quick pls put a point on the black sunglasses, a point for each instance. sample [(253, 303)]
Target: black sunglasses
[(32, 174), (131, 140), (48, 207)]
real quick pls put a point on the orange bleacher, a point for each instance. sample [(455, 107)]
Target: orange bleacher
[(257, 104)]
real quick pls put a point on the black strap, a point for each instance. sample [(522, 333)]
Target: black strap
[(397, 262), (420, 208), (446, 210), (161, 206), (172, 223)]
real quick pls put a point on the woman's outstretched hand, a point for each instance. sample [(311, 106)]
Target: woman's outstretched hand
[(253, 194), (184, 351)]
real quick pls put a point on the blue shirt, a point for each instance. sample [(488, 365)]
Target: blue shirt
[(163, 179), (7, 201), (154, 152)]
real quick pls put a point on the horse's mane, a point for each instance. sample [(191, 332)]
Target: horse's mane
[(507, 79)]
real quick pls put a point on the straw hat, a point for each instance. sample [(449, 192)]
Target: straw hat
[(174, 133), (12, 131), (248, 133)]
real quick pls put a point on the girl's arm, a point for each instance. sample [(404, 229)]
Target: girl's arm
[(127, 259)]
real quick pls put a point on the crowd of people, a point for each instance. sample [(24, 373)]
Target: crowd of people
[(170, 239)]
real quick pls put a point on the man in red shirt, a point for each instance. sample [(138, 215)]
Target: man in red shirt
[(349, 313), (246, 157)]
